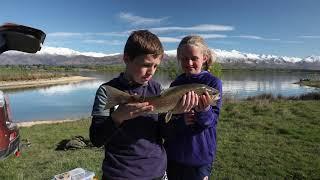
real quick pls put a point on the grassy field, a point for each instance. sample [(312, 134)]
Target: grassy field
[(258, 139), (33, 72), (269, 140)]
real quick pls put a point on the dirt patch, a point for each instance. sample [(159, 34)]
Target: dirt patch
[(41, 82)]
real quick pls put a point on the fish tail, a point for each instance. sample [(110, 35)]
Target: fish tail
[(115, 97)]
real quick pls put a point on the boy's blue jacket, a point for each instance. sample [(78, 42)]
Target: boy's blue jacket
[(194, 145), (134, 150)]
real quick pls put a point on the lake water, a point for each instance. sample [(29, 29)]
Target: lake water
[(75, 100)]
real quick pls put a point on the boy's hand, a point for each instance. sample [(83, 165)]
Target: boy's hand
[(204, 103), (189, 118), (188, 101), (129, 111)]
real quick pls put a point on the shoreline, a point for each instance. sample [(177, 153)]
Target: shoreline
[(4, 85), (310, 83), (32, 123)]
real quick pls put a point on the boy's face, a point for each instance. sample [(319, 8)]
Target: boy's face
[(191, 59), (142, 68)]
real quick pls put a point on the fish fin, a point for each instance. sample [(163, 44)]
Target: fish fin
[(115, 97), (168, 116)]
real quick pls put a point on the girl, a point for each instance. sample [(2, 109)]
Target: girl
[(191, 150)]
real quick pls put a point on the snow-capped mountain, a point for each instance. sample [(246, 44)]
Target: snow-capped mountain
[(249, 60), (59, 56), (60, 51), (312, 59), (237, 59), (171, 52), (228, 59), (249, 57)]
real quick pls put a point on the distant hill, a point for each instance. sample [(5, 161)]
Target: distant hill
[(49, 59), (229, 59)]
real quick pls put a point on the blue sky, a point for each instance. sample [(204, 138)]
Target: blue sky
[(278, 27)]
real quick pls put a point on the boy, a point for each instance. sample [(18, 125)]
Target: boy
[(133, 148)]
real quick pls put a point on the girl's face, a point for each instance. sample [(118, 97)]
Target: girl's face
[(141, 68), (191, 59)]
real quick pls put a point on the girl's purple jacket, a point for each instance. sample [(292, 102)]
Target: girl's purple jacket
[(194, 145)]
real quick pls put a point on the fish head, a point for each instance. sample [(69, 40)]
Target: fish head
[(213, 93), (214, 98)]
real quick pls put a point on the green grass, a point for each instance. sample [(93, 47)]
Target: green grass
[(269, 140), (259, 139), (33, 72)]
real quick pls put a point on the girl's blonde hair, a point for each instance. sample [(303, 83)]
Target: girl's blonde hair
[(198, 41)]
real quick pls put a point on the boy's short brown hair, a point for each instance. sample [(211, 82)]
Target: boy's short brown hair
[(143, 42)]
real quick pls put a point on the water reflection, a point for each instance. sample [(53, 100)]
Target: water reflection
[(244, 84), (65, 89)]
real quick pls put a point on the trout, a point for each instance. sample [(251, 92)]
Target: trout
[(163, 103)]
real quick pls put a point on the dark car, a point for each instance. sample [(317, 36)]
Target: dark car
[(19, 38)]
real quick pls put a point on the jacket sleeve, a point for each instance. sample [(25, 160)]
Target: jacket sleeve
[(102, 127), (209, 118)]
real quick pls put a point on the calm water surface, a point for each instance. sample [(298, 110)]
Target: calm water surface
[(75, 100)]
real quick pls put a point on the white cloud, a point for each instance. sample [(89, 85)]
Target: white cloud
[(226, 42), (212, 36), (293, 42), (197, 28), (54, 43), (310, 37), (178, 39), (256, 37), (64, 34), (169, 39), (75, 34), (248, 37), (98, 41), (118, 34), (94, 41), (138, 20)]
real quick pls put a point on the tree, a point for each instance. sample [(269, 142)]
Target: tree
[(216, 69)]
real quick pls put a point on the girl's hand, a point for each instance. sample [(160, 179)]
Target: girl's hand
[(189, 118), (204, 103), (129, 111), (188, 101)]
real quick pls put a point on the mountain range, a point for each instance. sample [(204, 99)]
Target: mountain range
[(228, 59)]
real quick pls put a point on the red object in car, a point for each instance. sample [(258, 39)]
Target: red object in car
[(9, 132)]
